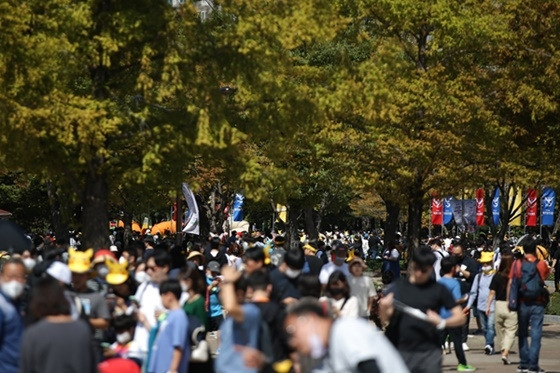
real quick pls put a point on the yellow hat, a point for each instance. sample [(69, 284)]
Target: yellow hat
[(486, 256), (309, 247), (79, 261), (118, 273)]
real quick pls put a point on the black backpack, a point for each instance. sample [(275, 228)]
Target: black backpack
[(532, 286)]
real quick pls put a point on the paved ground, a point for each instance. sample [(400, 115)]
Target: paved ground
[(549, 356)]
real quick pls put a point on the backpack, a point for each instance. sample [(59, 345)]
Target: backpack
[(531, 287)]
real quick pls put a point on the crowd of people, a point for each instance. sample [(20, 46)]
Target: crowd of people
[(248, 303)]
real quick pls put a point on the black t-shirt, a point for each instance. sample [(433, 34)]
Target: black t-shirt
[(557, 257), (283, 287), (499, 285), (220, 257), (472, 267), (411, 334), (274, 316), (315, 265)]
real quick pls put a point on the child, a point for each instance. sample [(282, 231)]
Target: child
[(171, 349), (447, 279), (361, 287), (124, 326)]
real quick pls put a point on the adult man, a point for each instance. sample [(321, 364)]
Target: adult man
[(149, 300), (435, 244), (93, 304), (339, 345), (338, 264), (530, 314), (12, 283), (285, 278), (313, 264), (418, 340), (467, 268)]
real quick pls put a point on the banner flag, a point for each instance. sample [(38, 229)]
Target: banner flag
[(464, 211), (238, 207), (516, 211), (447, 210), (437, 211), (548, 202), (496, 207), (192, 217), (532, 197), (469, 212), (479, 207)]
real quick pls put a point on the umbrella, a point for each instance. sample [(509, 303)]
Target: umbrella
[(5, 214), (12, 238), (170, 225)]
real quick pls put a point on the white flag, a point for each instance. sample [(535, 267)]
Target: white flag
[(192, 219)]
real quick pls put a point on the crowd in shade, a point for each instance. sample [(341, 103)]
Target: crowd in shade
[(243, 302)]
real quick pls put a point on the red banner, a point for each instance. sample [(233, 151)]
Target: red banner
[(437, 211), (532, 199), (479, 197)]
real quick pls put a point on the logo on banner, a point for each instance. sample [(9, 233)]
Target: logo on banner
[(548, 201)]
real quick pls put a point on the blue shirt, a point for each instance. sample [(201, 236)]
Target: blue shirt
[(453, 285), (11, 334), (173, 333), (215, 306), (234, 334)]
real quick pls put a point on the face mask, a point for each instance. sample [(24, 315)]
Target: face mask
[(12, 289), (124, 338), (184, 287), (102, 271), (141, 277), (122, 260), (336, 292), (486, 268), (317, 348), (29, 263), (338, 261), (293, 273)]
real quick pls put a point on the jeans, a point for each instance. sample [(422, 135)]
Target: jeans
[(530, 315), (487, 323)]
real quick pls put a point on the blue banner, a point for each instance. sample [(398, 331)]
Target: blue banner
[(238, 207), (496, 207), (447, 210), (548, 201)]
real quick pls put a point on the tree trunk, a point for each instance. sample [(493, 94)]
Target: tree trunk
[(127, 219), (292, 234), (95, 215), (414, 218), (60, 229), (391, 221), (310, 227)]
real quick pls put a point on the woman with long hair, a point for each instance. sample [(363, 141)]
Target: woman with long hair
[(338, 292), (505, 320), (56, 343)]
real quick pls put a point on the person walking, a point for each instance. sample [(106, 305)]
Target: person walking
[(505, 321), (418, 341), (531, 274)]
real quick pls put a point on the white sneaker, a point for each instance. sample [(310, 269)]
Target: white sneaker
[(465, 347)]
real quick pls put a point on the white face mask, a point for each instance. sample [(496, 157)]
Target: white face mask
[(317, 348), (292, 273), (12, 289), (122, 260), (29, 263), (486, 268), (124, 338), (184, 287), (141, 277)]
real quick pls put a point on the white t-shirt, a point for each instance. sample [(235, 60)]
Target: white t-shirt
[(346, 308), (149, 301), (329, 268), (346, 348), (362, 288)]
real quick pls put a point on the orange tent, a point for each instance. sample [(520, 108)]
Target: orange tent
[(135, 226), (170, 225)]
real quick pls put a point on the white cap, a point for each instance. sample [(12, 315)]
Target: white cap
[(114, 248), (61, 272)]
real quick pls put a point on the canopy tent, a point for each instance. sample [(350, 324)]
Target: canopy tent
[(170, 225)]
